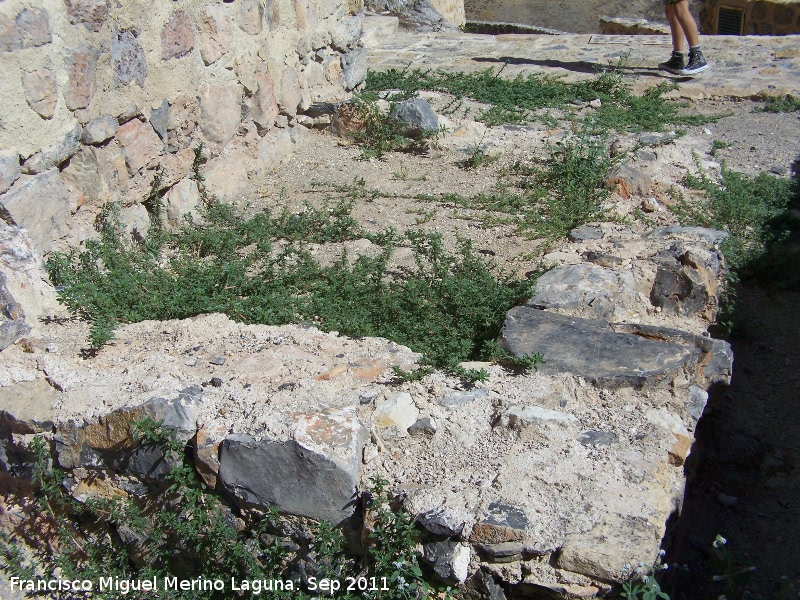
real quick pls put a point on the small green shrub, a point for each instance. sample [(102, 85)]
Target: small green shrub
[(756, 212), (779, 104), (527, 98), (445, 308), (381, 133)]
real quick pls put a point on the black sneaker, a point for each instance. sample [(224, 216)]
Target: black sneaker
[(674, 65), (697, 64)]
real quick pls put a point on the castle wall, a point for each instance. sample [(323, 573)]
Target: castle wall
[(97, 96)]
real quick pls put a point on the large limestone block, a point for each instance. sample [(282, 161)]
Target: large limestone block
[(315, 474), (605, 551), (92, 13), (220, 112), (81, 86), (251, 15), (215, 36), (54, 156), (9, 168), (183, 199), (140, 144), (40, 92), (177, 36), (40, 204), (109, 442), (592, 349), (587, 288), (25, 276), (354, 67), (348, 32)]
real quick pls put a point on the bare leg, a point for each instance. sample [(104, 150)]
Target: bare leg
[(675, 26), (686, 20)]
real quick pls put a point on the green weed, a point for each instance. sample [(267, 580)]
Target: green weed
[(527, 98), (757, 213), (257, 270), (779, 104)]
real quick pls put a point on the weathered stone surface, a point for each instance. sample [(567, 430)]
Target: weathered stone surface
[(251, 14), (27, 407), (135, 220), (206, 452), (604, 551), (220, 112), (175, 166), (9, 168), (416, 115), (41, 205), (450, 560), (140, 144), (592, 437), (503, 523), (319, 467), (81, 84), (628, 181), (354, 67), (592, 349), (40, 91), (31, 28), (702, 234), (584, 233), (11, 330), (424, 426), (159, 120), (109, 442), (227, 175), (99, 129), (177, 36), (678, 290), (503, 552), (83, 178), (395, 415), (54, 155), (273, 146), (92, 13), (262, 104), (215, 36), (458, 397), (306, 15), (348, 32), (598, 291), (183, 199), (128, 58), (291, 95), (489, 586), (181, 120), (520, 417), (442, 522)]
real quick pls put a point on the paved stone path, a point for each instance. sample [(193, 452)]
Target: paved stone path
[(741, 67)]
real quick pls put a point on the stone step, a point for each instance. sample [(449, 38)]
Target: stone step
[(377, 28)]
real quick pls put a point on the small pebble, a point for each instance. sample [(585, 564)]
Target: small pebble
[(191, 362), (216, 382), (217, 360)]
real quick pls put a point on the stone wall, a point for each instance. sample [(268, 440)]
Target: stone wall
[(97, 96), (772, 17)]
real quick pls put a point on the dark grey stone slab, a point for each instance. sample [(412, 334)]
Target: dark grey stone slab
[(591, 349), (280, 474)]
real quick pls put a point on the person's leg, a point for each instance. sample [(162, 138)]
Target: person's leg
[(681, 13), (677, 61), (674, 26)]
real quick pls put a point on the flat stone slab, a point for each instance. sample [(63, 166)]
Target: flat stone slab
[(589, 348)]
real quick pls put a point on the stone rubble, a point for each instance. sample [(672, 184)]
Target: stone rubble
[(554, 482)]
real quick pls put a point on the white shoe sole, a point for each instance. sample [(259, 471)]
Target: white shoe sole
[(693, 71)]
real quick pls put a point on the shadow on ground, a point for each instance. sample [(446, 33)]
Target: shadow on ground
[(746, 463)]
